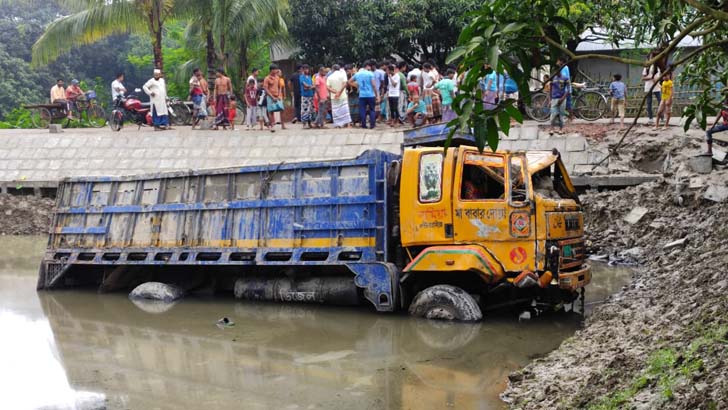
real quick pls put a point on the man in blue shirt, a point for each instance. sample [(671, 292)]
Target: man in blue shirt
[(559, 93), (565, 73), (489, 86), (307, 90), (368, 94)]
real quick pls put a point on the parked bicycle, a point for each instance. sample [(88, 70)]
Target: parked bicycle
[(588, 102)]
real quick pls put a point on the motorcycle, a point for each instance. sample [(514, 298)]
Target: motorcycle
[(130, 108)]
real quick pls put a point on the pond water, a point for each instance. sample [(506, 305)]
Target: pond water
[(76, 349)]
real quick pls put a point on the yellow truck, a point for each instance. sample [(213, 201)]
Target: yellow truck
[(487, 229), (441, 233)]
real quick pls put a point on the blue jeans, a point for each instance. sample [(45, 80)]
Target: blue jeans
[(658, 95), (159, 120), (370, 103), (717, 128), (558, 112)]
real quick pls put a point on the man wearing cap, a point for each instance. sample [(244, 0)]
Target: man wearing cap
[(73, 92), (156, 89)]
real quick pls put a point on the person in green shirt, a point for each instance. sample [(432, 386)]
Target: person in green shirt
[(416, 111), (446, 89)]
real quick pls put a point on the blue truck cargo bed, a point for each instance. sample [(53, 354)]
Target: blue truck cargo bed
[(326, 213)]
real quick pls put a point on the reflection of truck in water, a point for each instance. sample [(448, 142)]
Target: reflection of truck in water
[(443, 233)]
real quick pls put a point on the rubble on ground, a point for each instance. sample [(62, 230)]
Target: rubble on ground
[(662, 342), (25, 214)]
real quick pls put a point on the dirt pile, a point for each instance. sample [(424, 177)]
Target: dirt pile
[(25, 215), (663, 341)]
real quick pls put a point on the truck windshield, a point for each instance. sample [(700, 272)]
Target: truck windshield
[(543, 184)]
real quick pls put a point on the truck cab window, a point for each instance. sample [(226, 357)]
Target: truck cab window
[(519, 191), (431, 177), (481, 183)]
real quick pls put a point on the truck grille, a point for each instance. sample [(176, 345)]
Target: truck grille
[(573, 253), (572, 223)]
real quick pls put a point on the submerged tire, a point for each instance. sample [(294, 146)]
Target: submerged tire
[(445, 302), (157, 291)]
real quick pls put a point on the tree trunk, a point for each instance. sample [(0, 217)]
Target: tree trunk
[(243, 64), (157, 46), (210, 49)]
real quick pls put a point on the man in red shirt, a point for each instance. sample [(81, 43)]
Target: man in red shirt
[(718, 127), (73, 92)]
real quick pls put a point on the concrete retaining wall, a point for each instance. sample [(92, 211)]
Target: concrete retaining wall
[(28, 157)]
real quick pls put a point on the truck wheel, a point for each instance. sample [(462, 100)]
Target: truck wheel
[(445, 302)]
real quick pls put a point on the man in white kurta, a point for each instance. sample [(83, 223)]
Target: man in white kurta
[(156, 88)]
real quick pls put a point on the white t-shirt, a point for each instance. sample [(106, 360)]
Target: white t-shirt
[(428, 80), (393, 86), (251, 77), (117, 89), (648, 83)]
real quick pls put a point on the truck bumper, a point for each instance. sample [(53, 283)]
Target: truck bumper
[(575, 279)]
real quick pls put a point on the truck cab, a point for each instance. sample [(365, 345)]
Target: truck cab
[(496, 227)]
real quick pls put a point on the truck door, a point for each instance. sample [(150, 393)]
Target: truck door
[(490, 212)]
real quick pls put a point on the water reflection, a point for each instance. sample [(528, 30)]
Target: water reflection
[(276, 356)]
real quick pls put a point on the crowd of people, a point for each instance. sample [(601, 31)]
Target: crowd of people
[(376, 92), (388, 93)]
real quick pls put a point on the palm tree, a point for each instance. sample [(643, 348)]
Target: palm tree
[(228, 28), (92, 20)]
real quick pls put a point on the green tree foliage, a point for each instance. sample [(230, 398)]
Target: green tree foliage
[(21, 23), (353, 30), (515, 41), (93, 20)]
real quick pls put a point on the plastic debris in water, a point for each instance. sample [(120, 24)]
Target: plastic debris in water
[(225, 322)]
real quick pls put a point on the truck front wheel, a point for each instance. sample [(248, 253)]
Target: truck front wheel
[(445, 302)]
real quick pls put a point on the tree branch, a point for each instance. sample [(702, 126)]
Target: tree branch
[(716, 14), (670, 47)]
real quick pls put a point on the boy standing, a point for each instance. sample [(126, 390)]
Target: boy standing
[(666, 101), (446, 88), (251, 105), (618, 91)]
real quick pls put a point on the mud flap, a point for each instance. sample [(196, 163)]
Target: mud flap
[(50, 274), (379, 282)]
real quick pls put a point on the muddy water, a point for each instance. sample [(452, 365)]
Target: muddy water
[(77, 350)]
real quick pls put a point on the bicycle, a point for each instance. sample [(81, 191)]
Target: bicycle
[(95, 115), (179, 112), (589, 103)]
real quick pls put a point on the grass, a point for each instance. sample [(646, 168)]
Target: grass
[(665, 367)]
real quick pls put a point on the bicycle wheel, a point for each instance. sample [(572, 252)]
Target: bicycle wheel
[(182, 114), (116, 120), (96, 116), (239, 116), (590, 106), (41, 117), (540, 107)]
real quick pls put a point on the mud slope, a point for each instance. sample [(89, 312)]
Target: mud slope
[(661, 343)]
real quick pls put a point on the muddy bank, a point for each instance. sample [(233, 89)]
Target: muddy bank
[(24, 215), (663, 341)]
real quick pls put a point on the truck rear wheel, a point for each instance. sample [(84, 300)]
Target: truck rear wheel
[(445, 302)]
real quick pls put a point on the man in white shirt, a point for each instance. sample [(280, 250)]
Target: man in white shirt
[(156, 88), (253, 76), (649, 75), (117, 87)]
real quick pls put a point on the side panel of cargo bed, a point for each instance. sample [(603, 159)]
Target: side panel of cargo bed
[(322, 214)]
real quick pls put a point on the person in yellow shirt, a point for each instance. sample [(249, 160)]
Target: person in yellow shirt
[(58, 96), (666, 103)]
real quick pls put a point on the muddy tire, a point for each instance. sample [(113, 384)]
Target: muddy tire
[(445, 302)]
